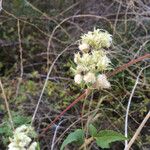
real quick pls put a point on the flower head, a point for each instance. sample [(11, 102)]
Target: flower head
[(103, 63), (77, 58), (78, 78), (97, 39), (92, 59), (102, 82)]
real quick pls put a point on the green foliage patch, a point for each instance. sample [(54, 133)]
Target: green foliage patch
[(103, 138)]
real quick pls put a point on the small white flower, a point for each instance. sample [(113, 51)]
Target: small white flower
[(89, 78), (106, 39), (103, 63), (102, 82), (83, 60), (13, 146), (78, 78), (84, 47), (21, 129), (96, 55), (33, 146), (81, 68), (97, 39), (77, 58), (86, 59)]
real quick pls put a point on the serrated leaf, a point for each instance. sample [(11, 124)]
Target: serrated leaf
[(105, 137), (76, 136), (92, 130)]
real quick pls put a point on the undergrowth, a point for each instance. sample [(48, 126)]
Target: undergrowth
[(47, 28)]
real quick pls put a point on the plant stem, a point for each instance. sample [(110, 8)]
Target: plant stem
[(86, 143), (129, 103)]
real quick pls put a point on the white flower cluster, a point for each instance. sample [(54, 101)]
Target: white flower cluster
[(22, 139), (92, 61), (97, 39)]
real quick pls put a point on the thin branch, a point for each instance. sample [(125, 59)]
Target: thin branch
[(7, 105), (21, 58), (1, 5), (138, 131), (129, 103), (20, 49), (54, 137)]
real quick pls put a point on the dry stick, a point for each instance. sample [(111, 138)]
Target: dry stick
[(129, 103), (138, 131), (1, 5), (87, 91), (7, 105), (21, 58), (55, 133), (20, 49)]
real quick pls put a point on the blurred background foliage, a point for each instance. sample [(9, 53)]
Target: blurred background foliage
[(64, 21)]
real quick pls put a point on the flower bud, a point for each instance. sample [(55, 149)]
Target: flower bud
[(106, 39), (84, 47), (89, 78), (78, 78), (103, 63), (102, 82), (77, 58), (33, 146)]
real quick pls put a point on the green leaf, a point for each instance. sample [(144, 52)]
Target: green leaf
[(76, 136), (92, 130), (105, 137)]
